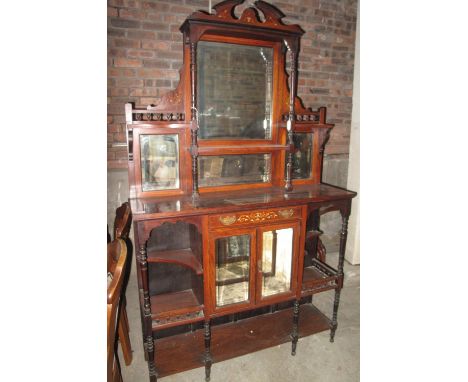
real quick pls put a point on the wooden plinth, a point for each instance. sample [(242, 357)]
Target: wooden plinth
[(185, 351)]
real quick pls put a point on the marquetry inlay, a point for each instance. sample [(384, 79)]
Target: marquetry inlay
[(227, 220), (286, 213), (255, 217)]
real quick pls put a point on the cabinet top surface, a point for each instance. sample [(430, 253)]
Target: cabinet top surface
[(164, 207)]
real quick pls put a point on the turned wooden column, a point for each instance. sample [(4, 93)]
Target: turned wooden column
[(194, 120), (148, 333), (291, 117), (343, 236), (208, 360), (295, 332)]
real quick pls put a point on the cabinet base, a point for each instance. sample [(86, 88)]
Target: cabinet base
[(185, 351)]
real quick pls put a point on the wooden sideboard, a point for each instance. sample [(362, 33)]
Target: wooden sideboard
[(226, 197)]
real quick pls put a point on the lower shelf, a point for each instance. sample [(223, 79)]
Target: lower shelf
[(318, 277), (171, 309), (185, 351)]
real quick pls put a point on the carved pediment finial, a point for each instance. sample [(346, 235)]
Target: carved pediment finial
[(224, 11)]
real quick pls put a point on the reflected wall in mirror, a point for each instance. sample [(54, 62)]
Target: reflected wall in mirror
[(277, 261), (233, 169), (159, 162), (232, 269), (234, 91), (302, 158)]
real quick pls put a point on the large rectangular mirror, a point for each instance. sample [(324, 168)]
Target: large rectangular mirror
[(234, 91)]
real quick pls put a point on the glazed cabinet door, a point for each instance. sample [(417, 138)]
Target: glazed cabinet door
[(232, 269), (278, 246)]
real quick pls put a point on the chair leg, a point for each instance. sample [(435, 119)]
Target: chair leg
[(123, 335), (116, 373)]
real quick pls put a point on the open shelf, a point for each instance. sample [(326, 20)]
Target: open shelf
[(177, 308), (235, 339), (318, 277), (184, 257)]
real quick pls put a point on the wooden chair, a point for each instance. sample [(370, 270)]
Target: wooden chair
[(122, 224), (116, 264)]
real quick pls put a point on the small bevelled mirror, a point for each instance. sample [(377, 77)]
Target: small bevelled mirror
[(159, 162), (234, 91), (302, 157)]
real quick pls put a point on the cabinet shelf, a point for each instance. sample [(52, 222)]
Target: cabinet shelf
[(184, 257), (319, 277), (177, 308), (236, 339)]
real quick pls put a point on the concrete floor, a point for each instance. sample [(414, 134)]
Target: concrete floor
[(316, 359)]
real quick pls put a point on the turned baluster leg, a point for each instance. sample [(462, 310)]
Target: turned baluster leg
[(343, 236), (208, 359), (148, 333), (151, 364), (295, 332)]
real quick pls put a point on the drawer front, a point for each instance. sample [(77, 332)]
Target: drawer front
[(237, 219)]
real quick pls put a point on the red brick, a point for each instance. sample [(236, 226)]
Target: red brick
[(140, 53), (114, 52), (141, 35), (155, 26), (132, 14), (156, 64), (123, 23), (127, 63), (121, 72), (114, 128), (125, 43), (129, 82), (149, 100), (120, 137), (151, 73), (124, 3), (119, 92), (144, 92), (156, 45), (112, 12), (122, 153), (161, 7), (184, 10)]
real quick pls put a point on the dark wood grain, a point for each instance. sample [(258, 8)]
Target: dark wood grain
[(235, 339), (176, 230), (184, 257)]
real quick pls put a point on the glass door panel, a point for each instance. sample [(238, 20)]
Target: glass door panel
[(232, 260), (277, 255)]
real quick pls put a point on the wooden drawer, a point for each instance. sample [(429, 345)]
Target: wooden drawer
[(255, 217)]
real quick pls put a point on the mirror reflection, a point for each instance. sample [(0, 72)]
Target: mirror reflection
[(277, 261), (232, 269), (302, 156), (233, 169), (159, 162), (234, 91)]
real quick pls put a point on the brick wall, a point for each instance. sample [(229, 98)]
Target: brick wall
[(145, 54)]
